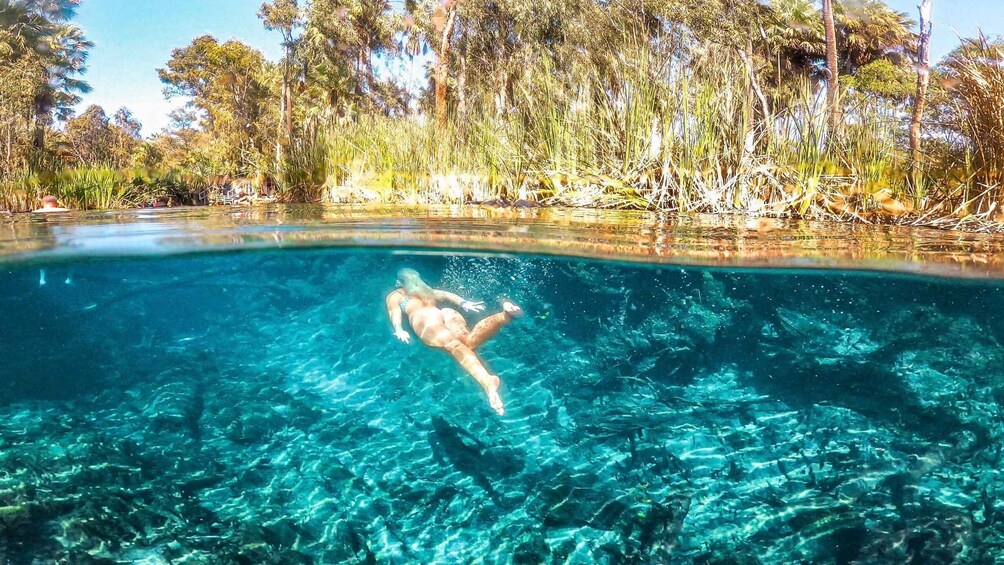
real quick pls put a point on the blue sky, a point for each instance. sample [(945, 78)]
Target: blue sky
[(955, 18), (134, 37)]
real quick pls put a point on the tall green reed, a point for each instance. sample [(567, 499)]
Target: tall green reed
[(101, 188), (976, 80), (642, 129)]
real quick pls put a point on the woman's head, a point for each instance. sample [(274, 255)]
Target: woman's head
[(412, 283)]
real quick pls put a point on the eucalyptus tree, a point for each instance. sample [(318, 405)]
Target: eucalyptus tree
[(496, 42), (93, 139), (90, 137), (442, 27), (230, 84), (443, 22), (286, 17), (428, 25), (126, 132)]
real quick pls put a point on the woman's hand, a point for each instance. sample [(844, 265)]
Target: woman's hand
[(471, 306), (402, 335)]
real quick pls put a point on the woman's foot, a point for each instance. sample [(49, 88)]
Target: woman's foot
[(512, 309), (494, 400)]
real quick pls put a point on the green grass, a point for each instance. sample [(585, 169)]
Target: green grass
[(643, 133), (99, 188)]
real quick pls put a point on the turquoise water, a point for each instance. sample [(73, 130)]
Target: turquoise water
[(254, 407)]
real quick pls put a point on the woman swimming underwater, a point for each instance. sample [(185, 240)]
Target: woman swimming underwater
[(446, 328)]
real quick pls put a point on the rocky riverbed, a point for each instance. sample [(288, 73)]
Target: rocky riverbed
[(254, 408)]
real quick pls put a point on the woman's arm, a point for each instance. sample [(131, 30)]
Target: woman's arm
[(470, 306), (394, 313)]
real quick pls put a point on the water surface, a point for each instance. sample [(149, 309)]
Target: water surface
[(647, 237)]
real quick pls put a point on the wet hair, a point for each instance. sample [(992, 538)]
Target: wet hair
[(50, 200), (412, 283)]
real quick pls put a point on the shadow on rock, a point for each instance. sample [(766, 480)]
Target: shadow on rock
[(484, 464)]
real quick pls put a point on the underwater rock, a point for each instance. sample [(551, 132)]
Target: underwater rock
[(832, 337), (531, 548), (254, 426), (670, 341), (567, 499), (939, 537), (176, 406), (727, 556), (644, 531), (262, 413), (948, 376), (353, 545), (653, 533), (13, 518), (849, 368), (484, 464), (256, 553)]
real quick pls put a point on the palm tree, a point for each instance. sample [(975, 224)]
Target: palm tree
[(56, 11), (64, 56), (340, 41), (18, 31), (870, 31), (797, 33), (37, 30), (832, 71)]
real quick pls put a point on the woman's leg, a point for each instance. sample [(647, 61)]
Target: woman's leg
[(487, 328), (467, 359), (444, 335)]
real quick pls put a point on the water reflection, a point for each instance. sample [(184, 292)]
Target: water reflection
[(627, 236)]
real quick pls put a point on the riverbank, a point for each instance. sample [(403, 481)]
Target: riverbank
[(850, 207)]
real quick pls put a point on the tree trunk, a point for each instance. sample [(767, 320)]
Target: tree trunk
[(833, 73), (289, 113), (920, 100), (285, 137), (8, 163), (39, 135), (462, 90), (280, 140), (761, 125), (442, 70)]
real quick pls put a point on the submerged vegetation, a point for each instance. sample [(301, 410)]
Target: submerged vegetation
[(746, 106)]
